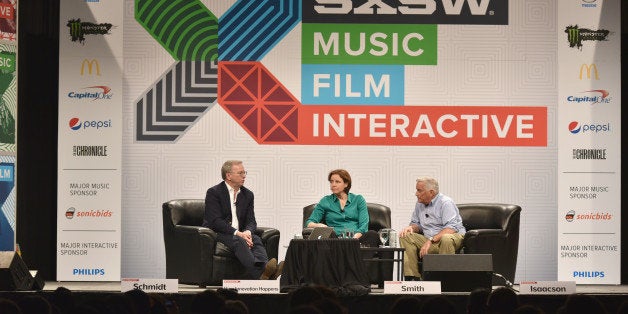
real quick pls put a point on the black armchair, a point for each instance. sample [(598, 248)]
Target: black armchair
[(379, 218), (493, 228), (193, 255)]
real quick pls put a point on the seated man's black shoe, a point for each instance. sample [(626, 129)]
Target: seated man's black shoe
[(411, 278)]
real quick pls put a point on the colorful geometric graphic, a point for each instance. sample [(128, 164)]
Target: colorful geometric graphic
[(259, 102)]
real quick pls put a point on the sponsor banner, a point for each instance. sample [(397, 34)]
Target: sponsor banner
[(8, 97), (88, 254), (369, 44), (252, 286), (8, 24), (589, 147), (490, 12), (547, 287), (150, 285), (423, 125), (352, 84), (89, 224), (412, 287), (90, 141), (7, 201)]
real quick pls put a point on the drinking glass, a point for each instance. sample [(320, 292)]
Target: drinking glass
[(383, 235)]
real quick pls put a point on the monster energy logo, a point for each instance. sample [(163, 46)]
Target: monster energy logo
[(79, 29), (576, 35)]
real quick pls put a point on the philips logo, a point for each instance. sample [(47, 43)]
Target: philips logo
[(575, 127), (88, 272), (76, 124), (588, 274)]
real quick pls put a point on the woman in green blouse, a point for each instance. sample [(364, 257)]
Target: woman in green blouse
[(344, 211)]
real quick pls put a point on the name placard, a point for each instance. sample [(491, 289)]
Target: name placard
[(547, 287), (412, 287), (252, 286), (150, 285)]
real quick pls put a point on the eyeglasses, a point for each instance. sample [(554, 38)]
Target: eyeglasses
[(242, 173)]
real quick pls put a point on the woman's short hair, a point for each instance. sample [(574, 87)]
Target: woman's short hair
[(344, 175)]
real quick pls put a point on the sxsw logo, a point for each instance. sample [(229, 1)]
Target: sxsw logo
[(489, 12), (576, 127), (76, 124), (90, 67)]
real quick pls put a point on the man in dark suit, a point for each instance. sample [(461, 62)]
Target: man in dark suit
[(229, 211)]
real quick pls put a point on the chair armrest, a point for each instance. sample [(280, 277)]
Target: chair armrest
[(196, 231), (479, 241), (270, 239), (266, 233)]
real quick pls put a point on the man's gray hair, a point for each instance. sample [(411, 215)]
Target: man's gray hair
[(430, 183), (226, 167)]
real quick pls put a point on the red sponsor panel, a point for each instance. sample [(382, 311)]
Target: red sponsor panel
[(423, 125), (6, 11)]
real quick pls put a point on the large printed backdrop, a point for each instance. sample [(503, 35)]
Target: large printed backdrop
[(496, 65)]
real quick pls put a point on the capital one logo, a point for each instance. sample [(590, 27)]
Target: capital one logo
[(92, 66)]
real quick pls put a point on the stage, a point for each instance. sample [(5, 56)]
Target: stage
[(376, 301)]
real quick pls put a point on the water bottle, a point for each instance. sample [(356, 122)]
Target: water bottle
[(392, 238)]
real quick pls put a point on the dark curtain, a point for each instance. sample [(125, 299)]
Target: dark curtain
[(36, 171)]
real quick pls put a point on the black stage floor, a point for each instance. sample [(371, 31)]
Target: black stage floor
[(612, 296)]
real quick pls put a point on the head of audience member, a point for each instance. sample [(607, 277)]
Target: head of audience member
[(9, 307), (582, 303), (234, 307), (63, 299), (438, 304), (330, 306), (160, 304), (139, 299), (476, 304), (502, 300), (623, 307), (528, 309), (304, 295), (344, 177), (326, 292), (405, 304), (305, 309), (228, 294), (34, 304), (207, 301)]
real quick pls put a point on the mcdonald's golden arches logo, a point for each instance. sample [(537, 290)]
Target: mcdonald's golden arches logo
[(93, 64), (589, 68)]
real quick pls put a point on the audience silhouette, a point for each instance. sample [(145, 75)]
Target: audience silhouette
[(308, 299)]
